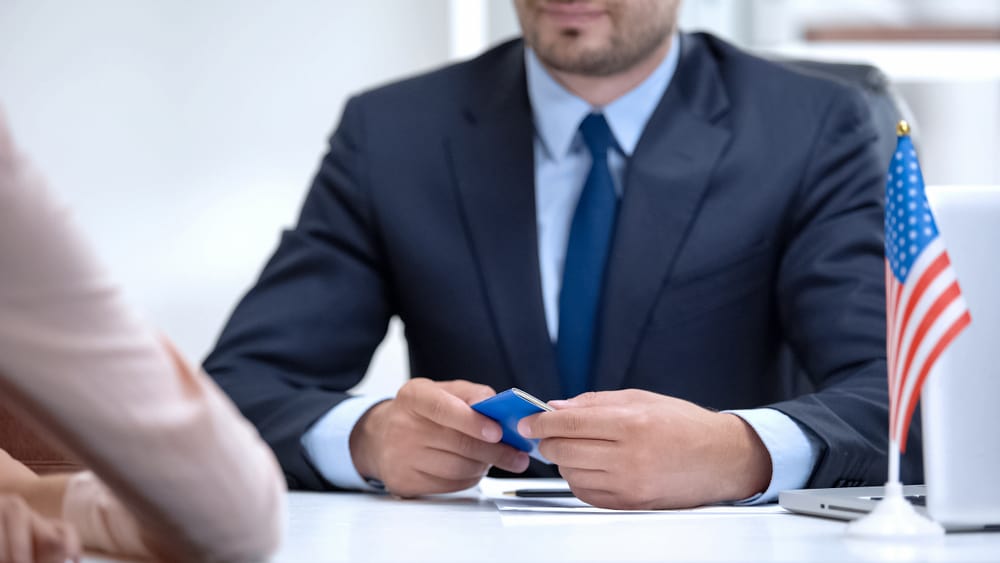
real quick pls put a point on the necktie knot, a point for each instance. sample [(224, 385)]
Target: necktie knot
[(597, 135)]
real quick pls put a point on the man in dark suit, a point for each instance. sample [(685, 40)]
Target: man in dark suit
[(607, 206)]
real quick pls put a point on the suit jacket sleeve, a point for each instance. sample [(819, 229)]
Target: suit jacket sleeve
[(832, 302), (305, 333)]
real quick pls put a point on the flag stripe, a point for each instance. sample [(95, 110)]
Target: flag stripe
[(907, 297), (944, 320), (903, 291), (946, 340), (890, 298), (926, 271), (891, 291), (939, 265), (944, 299)]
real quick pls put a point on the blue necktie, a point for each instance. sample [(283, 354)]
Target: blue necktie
[(586, 256)]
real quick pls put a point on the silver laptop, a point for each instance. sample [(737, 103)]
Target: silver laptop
[(961, 417)]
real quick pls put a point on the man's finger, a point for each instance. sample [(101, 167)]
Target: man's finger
[(432, 484), (597, 399), (500, 455), (579, 453), (468, 391), (603, 499), (433, 402), (599, 423), (590, 479), (451, 466)]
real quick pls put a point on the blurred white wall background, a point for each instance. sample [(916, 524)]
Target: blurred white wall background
[(952, 87), (185, 134)]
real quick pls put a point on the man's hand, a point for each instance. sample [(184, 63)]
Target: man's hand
[(634, 449), (27, 537), (428, 440)]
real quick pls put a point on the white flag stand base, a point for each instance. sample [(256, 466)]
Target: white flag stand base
[(894, 518)]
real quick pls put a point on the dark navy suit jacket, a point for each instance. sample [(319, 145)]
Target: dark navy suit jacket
[(751, 220)]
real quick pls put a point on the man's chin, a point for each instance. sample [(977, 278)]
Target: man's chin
[(573, 53), (575, 61)]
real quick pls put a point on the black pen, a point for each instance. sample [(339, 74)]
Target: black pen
[(537, 493)]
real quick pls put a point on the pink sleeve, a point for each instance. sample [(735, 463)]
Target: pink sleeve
[(173, 448)]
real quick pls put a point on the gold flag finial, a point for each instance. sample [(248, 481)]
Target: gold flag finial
[(902, 128)]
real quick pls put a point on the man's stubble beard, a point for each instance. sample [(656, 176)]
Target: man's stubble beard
[(619, 53)]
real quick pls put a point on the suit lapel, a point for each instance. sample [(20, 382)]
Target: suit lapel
[(665, 183), (492, 159)]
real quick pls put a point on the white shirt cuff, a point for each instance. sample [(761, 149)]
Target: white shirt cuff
[(328, 442), (793, 450)]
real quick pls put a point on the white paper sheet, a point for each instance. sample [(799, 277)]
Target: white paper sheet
[(497, 490)]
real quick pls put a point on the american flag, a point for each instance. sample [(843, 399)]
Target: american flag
[(924, 305)]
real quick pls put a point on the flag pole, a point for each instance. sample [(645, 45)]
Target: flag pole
[(894, 517), (894, 460)]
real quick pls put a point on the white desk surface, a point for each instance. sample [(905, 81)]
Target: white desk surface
[(365, 527)]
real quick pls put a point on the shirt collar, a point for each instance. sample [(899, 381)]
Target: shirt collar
[(558, 112)]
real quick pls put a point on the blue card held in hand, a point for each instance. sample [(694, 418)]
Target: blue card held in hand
[(508, 408)]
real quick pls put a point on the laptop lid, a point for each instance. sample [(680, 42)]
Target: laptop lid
[(960, 415)]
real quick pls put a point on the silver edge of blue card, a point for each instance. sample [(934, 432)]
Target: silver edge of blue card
[(531, 399), (538, 403)]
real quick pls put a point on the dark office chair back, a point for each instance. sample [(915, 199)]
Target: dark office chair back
[(886, 106)]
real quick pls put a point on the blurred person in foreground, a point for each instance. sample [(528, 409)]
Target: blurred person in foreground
[(629, 219), (177, 474)]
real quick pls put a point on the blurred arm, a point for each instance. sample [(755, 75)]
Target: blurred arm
[(196, 476)]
